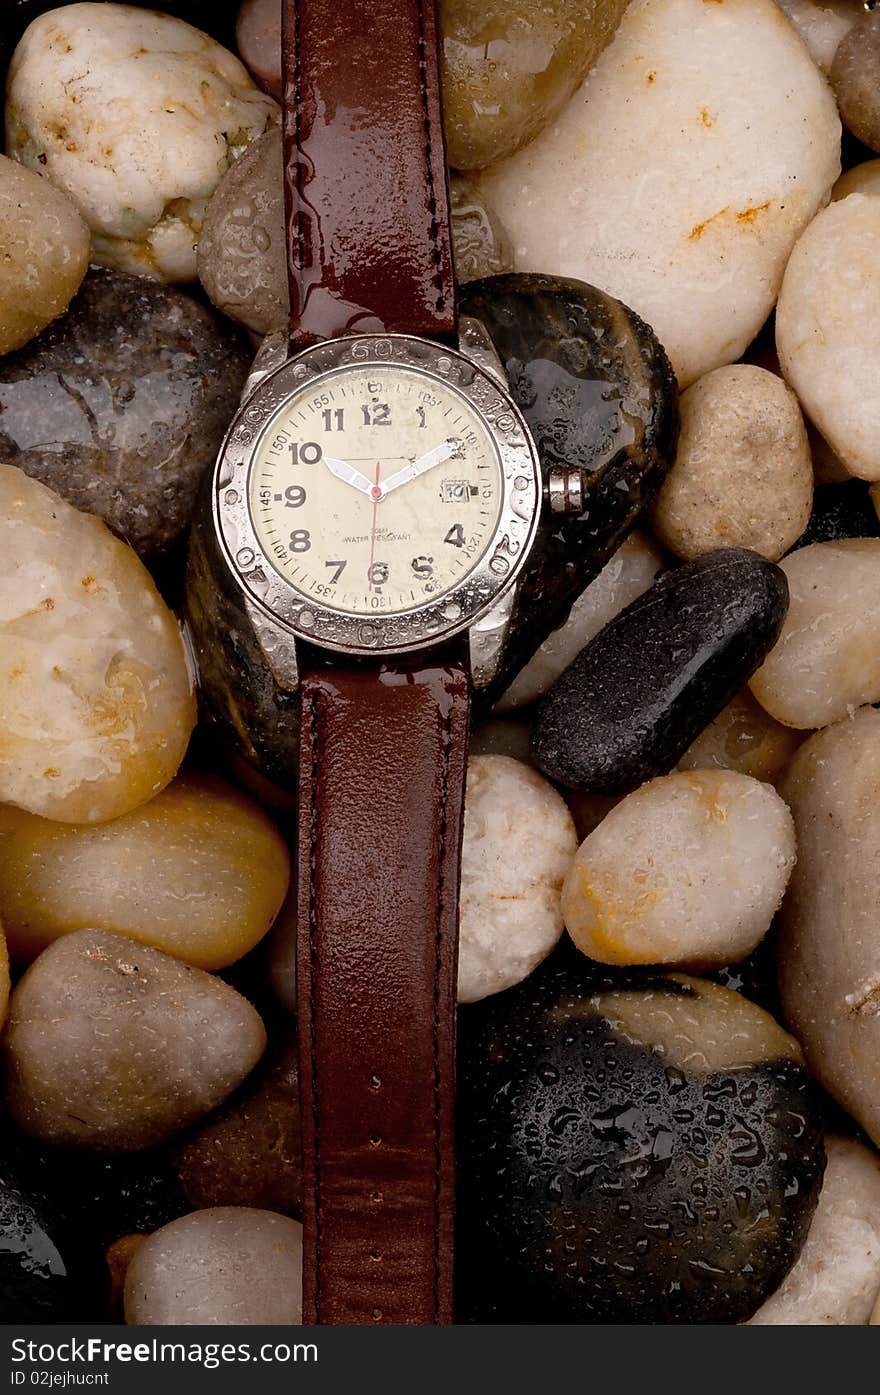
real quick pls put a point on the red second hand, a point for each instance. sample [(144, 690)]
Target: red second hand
[(377, 495)]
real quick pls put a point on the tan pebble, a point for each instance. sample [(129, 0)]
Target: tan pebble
[(829, 933), (111, 1044), (519, 840), (199, 872), (96, 696), (118, 1257), (227, 1266), (827, 658), (828, 329), (861, 179), (855, 79), (45, 253), (689, 869), (742, 475), (746, 738)]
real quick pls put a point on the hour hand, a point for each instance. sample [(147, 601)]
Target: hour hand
[(349, 475), (445, 451)]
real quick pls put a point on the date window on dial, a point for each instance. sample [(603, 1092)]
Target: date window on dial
[(457, 491)]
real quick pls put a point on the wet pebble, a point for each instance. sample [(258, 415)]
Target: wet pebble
[(829, 943), (96, 697), (743, 473), (250, 1152), (231, 1265), (519, 840), (821, 24), (511, 65), (745, 144), (836, 1276), (45, 253), (828, 329), (624, 1141), (690, 869), (843, 509), (45, 1275), (199, 872), (121, 405), (855, 79), (135, 115), (827, 658), (111, 1044), (480, 243), (598, 394), (635, 698), (861, 179), (743, 737), (634, 567)]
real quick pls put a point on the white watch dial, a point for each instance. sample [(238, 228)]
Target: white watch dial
[(376, 490)]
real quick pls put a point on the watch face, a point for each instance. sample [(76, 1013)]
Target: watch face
[(377, 493), (376, 490)]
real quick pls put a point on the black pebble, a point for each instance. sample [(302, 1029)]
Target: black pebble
[(46, 1273), (643, 689), (599, 1184), (842, 510), (598, 392)]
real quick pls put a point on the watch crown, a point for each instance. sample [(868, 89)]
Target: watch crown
[(565, 489)]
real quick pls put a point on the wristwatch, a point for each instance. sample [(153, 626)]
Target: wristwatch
[(372, 508)]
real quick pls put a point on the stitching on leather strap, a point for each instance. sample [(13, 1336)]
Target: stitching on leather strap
[(313, 1039), (440, 302), (438, 969)]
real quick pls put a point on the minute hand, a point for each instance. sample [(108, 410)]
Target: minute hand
[(437, 456)]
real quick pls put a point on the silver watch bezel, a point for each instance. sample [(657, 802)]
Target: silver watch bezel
[(441, 617)]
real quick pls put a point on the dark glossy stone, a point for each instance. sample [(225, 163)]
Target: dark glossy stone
[(249, 1153), (254, 715), (843, 510), (643, 689), (608, 1172), (122, 403), (45, 1276), (598, 392)]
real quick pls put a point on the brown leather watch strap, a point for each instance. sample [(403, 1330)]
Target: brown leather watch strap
[(369, 242), (382, 775)]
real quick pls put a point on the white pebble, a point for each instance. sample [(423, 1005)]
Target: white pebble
[(633, 568), (743, 473), (136, 115), (519, 841), (828, 329), (689, 869), (826, 661), (821, 26), (836, 1277), (681, 174)]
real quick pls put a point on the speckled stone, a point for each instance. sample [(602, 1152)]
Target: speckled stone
[(635, 698), (518, 843), (231, 1265), (829, 939), (136, 115), (114, 1045), (623, 1142), (826, 661), (855, 79), (681, 173), (121, 405), (96, 696), (688, 870), (598, 393), (511, 65), (250, 1152), (45, 253), (828, 315)]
